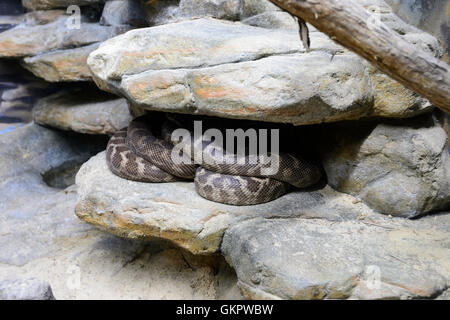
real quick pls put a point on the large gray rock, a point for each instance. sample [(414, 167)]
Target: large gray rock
[(25, 289), (227, 72), (50, 4), (33, 158), (392, 99), (83, 110), (40, 17), (288, 89), (397, 168), (373, 257), (26, 40), (40, 236), (207, 72), (61, 65), (273, 20), (120, 12), (221, 9), (164, 12), (175, 212), (255, 7), (188, 44), (260, 13), (19, 91)]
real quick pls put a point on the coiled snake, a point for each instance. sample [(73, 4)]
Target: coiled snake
[(136, 153)]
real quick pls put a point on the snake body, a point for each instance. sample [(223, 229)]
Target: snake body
[(137, 153)]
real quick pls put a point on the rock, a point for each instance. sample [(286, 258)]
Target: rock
[(187, 74), (25, 289), (279, 89), (51, 4), (175, 212), (397, 168), (188, 44), (370, 258), (164, 12), (220, 9), (61, 65), (123, 12), (8, 22), (255, 7), (30, 18), (26, 200), (178, 80), (83, 110), (41, 17), (161, 12), (430, 16), (40, 233), (273, 20), (23, 41), (19, 90), (392, 99)]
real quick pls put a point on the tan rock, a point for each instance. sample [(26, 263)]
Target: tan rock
[(397, 168), (61, 65), (23, 41), (373, 257), (239, 71), (83, 110), (174, 211)]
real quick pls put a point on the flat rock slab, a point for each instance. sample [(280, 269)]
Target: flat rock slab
[(25, 289), (372, 258), (61, 65), (41, 238), (30, 40), (298, 89), (83, 109), (222, 68), (174, 211), (50, 4), (187, 44), (400, 168)]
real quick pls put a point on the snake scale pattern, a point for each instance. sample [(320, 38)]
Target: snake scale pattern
[(136, 153)]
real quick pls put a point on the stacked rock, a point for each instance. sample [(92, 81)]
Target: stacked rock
[(95, 66)]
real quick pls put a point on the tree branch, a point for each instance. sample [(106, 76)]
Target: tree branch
[(346, 22)]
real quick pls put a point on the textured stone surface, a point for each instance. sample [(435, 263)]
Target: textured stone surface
[(245, 73), (50, 4), (26, 201), (120, 12), (255, 7), (25, 289), (319, 87), (19, 91), (164, 12), (61, 65), (174, 211), (299, 89), (273, 20), (83, 110), (221, 9), (398, 168), (429, 15), (391, 98), (23, 41), (373, 257), (42, 17), (188, 44), (40, 236)]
